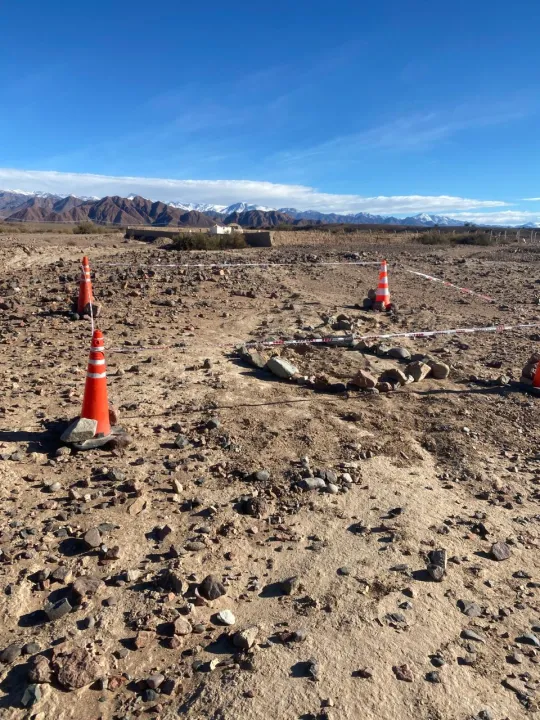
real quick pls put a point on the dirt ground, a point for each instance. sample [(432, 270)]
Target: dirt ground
[(451, 464)]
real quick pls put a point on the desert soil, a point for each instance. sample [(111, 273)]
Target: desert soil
[(363, 631)]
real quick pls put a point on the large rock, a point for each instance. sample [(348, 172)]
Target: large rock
[(399, 353), (281, 367), (418, 370), (254, 357), (439, 370), (245, 639), (80, 430), (86, 587), (363, 380), (393, 375), (78, 669)]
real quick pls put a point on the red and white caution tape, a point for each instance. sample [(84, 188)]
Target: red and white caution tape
[(387, 336), (239, 265), (449, 284)]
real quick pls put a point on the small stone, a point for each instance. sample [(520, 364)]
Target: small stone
[(316, 483), (399, 353), (363, 380), (500, 551), (149, 695), (31, 696), (472, 635), (433, 676), (143, 639), (471, 609), (418, 370), (393, 375), (529, 639), (365, 673), (31, 648), (154, 681), (182, 626), (11, 653), (313, 670), (225, 617), (177, 486), (181, 442), (39, 669), (58, 609), (261, 476), (245, 639), (403, 672), (78, 669), (211, 588), (281, 367), (80, 430), (439, 370), (290, 585), (92, 538), (332, 489), (86, 587)]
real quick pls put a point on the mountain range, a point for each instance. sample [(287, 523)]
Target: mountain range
[(20, 206)]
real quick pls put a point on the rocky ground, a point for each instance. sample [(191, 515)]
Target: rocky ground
[(268, 547)]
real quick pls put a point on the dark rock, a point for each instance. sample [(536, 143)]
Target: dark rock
[(500, 551), (211, 588), (58, 610), (403, 672), (11, 653)]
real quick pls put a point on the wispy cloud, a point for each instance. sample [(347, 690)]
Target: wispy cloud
[(503, 217), (230, 191), (531, 199), (420, 131)]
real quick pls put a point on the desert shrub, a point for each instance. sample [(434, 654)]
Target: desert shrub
[(434, 238), (476, 238), (90, 228), (205, 241)]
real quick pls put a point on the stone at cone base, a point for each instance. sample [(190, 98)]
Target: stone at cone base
[(96, 309), (80, 430), (113, 414)]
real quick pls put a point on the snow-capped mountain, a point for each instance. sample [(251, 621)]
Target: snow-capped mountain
[(200, 207)]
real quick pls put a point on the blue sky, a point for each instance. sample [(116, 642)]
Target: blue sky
[(390, 107)]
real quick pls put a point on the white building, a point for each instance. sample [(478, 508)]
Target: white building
[(220, 230)]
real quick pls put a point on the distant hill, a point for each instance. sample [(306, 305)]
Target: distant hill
[(259, 218), (135, 210)]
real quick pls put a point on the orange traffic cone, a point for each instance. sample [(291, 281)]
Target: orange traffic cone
[(95, 402), (383, 295), (85, 287)]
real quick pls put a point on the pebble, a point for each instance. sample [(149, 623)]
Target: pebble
[(149, 695), (403, 672), (528, 639), (181, 442), (226, 617), (472, 635), (245, 639), (290, 585), (261, 476), (31, 695), (500, 551), (211, 588), (11, 653), (154, 681), (471, 609), (58, 609), (92, 538), (433, 676), (31, 648)]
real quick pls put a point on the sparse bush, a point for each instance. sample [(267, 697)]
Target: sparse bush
[(434, 238), (205, 241), (86, 228), (471, 237)]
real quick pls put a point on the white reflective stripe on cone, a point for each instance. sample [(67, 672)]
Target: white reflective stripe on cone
[(96, 376), (96, 362)]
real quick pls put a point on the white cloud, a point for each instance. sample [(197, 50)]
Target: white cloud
[(503, 217), (531, 199), (226, 192)]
